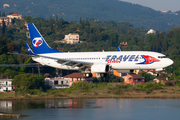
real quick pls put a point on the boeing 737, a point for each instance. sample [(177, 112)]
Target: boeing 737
[(93, 62)]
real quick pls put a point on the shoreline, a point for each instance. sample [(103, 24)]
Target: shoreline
[(8, 116), (168, 96), (104, 92)]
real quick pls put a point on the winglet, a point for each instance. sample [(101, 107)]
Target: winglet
[(118, 48), (29, 49), (39, 45)]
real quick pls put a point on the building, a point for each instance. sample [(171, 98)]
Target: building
[(6, 85), (17, 16), (151, 31), (123, 44), (6, 5), (72, 38), (75, 77), (163, 82), (57, 82), (7, 20), (133, 79)]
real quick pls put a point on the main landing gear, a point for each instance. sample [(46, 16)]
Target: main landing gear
[(87, 75)]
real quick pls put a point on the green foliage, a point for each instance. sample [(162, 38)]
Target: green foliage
[(147, 76), (87, 86), (148, 91), (139, 86), (148, 85), (117, 92), (139, 15), (28, 81), (117, 79), (97, 35), (168, 84), (10, 73)]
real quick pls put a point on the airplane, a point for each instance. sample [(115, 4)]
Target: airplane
[(118, 48), (93, 62)]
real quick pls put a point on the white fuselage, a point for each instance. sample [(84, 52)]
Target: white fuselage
[(117, 60)]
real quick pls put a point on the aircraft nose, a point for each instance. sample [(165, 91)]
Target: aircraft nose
[(170, 61)]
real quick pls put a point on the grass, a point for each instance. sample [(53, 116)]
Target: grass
[(7, 94), (101, 90), (4, 115)]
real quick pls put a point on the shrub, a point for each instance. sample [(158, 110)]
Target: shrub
[(139, 86), (116, 79), (156, 87), (168, 84), (117, 92), (95, 80), (33, 92), (148, 91), (148, 85)]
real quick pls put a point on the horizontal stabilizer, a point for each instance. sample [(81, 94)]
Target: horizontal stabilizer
[(118, 48), (29, 49)]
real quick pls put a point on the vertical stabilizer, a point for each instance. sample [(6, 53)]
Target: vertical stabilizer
[(39, 45), (29, 49)]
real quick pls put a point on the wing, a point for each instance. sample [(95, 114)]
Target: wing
[(21, 65), (16, 53), (71, 63)]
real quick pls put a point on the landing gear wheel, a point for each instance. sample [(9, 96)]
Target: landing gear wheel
[(87, 75)]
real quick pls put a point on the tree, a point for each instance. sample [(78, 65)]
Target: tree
[(3, 27), (28, 81), (11, 13), (3, 15), (141, 45), (147, 76), (10, 73), (80, 20)]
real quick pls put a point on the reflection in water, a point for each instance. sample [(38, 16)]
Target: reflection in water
[(67, 103), (101, 109), (5, 105), (38, 104)]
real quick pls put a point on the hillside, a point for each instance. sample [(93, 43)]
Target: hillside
[(103, 10)]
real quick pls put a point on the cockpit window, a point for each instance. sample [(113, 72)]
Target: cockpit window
[(162, 57)]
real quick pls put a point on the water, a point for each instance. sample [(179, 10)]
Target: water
[(94, 109)]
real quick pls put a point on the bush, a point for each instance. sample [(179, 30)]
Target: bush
[(116, 79), (148, 91), (95, 80), (168, 84), (117, 92), (156, 87), (139, 86), (148, 85), (33, 92)]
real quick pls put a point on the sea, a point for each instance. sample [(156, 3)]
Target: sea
[(94, 109)]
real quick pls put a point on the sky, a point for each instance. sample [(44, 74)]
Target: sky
[(172, 5)]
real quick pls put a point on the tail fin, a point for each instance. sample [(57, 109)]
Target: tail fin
[(29, 49), (39, 45)]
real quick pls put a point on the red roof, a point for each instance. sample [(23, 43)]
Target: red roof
[(74, 75), (136, 76), (15, 15)]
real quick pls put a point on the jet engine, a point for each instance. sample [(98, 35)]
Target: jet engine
[(100, 68)]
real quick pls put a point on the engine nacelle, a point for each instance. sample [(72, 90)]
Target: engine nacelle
[(100, 68)]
